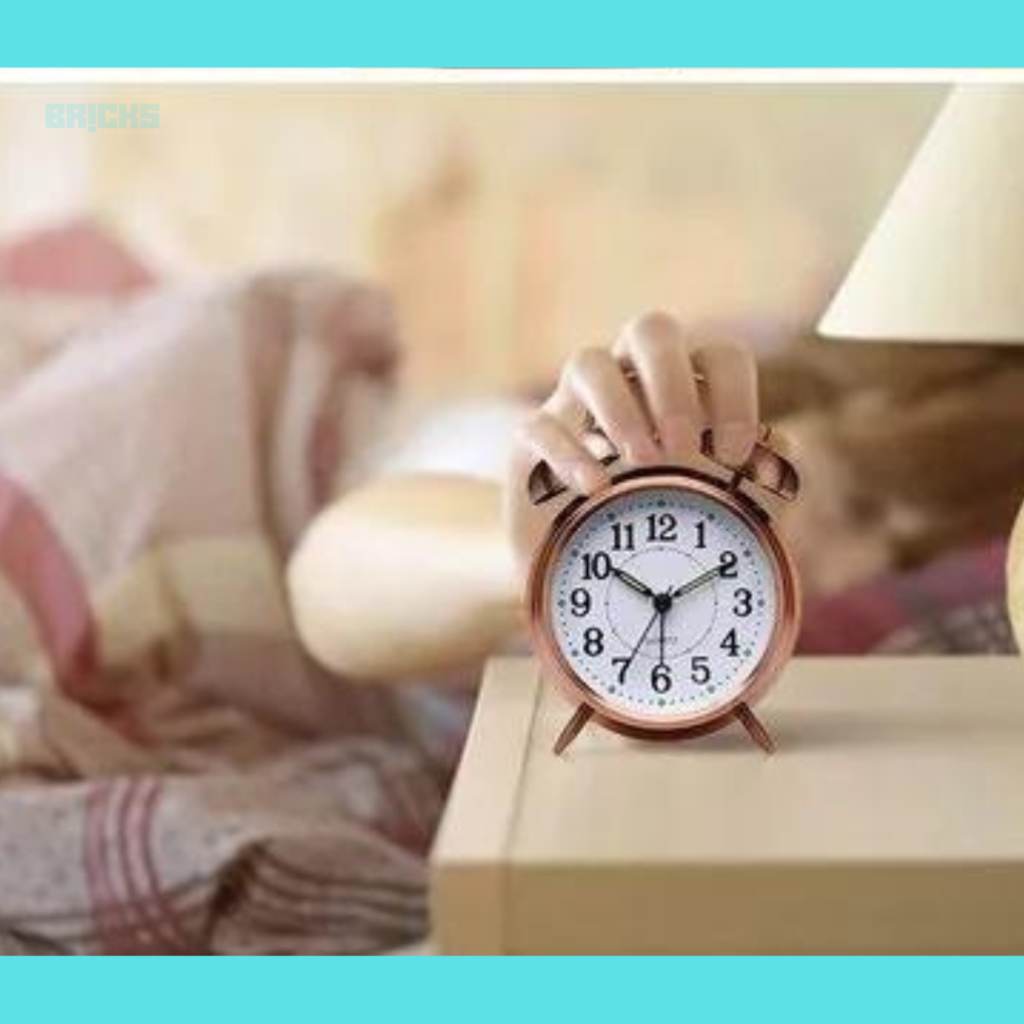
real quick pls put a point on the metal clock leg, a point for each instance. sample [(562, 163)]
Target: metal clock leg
[(757, 732), (573, 728)]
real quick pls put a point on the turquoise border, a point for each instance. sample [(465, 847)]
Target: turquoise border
[(432, 991), (528, 33)]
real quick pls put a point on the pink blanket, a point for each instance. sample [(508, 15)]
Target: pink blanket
[(174, 774)]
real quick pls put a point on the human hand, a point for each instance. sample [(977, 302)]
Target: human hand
[(654, 414)]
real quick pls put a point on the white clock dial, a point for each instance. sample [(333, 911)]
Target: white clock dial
[(663, 602)]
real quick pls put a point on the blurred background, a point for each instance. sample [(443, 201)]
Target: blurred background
[(511, 224)]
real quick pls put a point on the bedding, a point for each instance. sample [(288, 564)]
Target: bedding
[(175, 775), (953, 605)]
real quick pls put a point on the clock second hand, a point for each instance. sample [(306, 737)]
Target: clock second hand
[(643, 636)]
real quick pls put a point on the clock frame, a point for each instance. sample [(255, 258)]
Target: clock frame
[(590, 703)]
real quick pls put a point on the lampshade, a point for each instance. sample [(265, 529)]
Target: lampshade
[(945, 263)]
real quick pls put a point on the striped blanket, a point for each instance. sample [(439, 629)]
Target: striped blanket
[(175, 775)]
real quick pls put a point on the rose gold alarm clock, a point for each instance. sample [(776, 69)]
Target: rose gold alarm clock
[(665, 605)]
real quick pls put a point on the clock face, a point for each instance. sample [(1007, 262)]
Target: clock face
[(663, 602)]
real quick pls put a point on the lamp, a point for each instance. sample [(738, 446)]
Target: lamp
[(945, 262)]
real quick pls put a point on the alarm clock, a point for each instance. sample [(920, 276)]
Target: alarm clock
[(666, 604)]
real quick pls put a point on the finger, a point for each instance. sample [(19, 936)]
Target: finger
[(783, 442), (546, 439), (597, 380), (730, 398), (655, 346)]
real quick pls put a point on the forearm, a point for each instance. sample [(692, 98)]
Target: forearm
[(405, 578)]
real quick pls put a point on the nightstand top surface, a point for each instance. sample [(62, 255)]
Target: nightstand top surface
[(918, 759)]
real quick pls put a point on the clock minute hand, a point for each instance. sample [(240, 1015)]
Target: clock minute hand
[(697, 581)]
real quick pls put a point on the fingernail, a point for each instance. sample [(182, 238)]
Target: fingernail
[(641, 450), (734, 441), (587, 478)]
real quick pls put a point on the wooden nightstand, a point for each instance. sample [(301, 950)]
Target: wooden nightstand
[(891, 819)]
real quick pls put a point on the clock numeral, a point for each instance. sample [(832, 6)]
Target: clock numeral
[(730, 644), (700, 670), (702, 538), (593, 642), (623, 537), (744, 603), (728, 565), (621, 664), (597, 566), (661, 679), (662, 526), (580, 601)]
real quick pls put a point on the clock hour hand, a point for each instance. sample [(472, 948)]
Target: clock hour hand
[(697, 581), (633, 582)]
